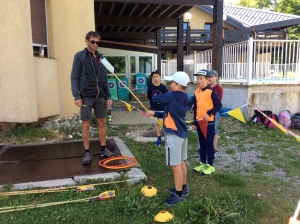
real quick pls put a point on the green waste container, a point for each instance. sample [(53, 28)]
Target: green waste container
[(113, 89), (141, 82), (122, 91)]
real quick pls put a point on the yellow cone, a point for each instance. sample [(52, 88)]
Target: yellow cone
[(149, 191), (163, 216)]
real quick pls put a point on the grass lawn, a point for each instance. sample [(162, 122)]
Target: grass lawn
[(263, 188)]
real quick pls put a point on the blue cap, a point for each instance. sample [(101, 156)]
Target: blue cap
[(203, 72)]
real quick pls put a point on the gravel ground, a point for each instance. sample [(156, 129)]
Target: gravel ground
[(224, 161)]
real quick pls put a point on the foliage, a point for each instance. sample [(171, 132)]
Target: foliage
[(283, 6), (119, 64), (290, 7), (29, 132)]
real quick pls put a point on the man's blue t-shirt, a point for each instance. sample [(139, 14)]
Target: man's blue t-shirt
[(153, 91)]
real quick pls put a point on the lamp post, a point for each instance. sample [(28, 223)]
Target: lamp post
[(188, 16), (224, 18)]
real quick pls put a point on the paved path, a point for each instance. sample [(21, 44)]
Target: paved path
[(135, 117)]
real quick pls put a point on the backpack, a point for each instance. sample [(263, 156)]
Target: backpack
[(295, 124), (284, 118), (262, 120), (296, 115)]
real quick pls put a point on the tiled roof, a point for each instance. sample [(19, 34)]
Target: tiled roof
[(247, 17)]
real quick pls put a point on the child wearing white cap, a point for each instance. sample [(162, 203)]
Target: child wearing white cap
[(176, 105)]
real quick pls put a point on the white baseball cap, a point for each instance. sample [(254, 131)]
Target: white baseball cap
[(179, 77)]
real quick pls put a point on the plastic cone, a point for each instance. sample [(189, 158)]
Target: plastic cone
[(163, 216), (149, 191)]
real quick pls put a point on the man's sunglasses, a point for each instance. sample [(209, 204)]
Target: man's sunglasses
[(94, 42)]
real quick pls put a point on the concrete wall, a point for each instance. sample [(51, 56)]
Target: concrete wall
[(68, 23), (46, 87), (275, 97), (265, 97), (17, 80), (234, 97)]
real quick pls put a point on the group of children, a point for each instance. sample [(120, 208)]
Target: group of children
[(172, 106)]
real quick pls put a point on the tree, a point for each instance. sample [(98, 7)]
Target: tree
[(259, 4), (290, 7), (283, 6)]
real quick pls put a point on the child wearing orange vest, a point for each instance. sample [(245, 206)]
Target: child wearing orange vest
[(206, 104)]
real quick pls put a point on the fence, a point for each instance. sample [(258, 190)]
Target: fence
[(248, 62), (200, 36)]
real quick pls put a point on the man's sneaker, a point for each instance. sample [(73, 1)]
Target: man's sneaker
[(86, 158), (174, 199), (185, 191), (200, 167), (158, 142), (208, 169), (106, 153)]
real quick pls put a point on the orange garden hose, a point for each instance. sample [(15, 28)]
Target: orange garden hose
[(131, 162)]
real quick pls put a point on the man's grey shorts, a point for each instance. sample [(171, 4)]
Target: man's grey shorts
[(176, 149), (98, 104)]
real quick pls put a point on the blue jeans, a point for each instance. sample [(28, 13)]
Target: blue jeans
[(217, 116)]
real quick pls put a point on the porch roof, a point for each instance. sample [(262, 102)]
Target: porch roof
[(134, 21)]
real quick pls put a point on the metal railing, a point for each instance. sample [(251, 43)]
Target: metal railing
[(230, 36), (249, 62)]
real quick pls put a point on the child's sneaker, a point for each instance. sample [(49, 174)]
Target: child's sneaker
[(185, 191), (158, 142), (173, 200), (208, 169), (200, 167)]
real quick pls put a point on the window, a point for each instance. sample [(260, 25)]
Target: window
[(132, 64), (132, 71), (208, 26), (119, 63), (145, 64), (185, 25), (39, 27)]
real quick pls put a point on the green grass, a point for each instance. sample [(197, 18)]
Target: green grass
[(29, 133), (223, 197)]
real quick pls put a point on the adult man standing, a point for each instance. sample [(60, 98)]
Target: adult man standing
[(90, 90)]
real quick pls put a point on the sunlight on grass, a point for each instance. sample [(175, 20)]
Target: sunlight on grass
[(232, 180), (230, 151), (223, 197), (259, 168)]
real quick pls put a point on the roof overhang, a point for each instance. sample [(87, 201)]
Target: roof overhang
[(137, 21), (280, 25)]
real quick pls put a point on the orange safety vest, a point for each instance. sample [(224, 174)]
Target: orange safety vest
[(204, 103)]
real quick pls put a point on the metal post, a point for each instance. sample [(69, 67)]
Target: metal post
[(168, 67), (195, 64), (249, 61), (188, 39), (158, 44), (180, 43)]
